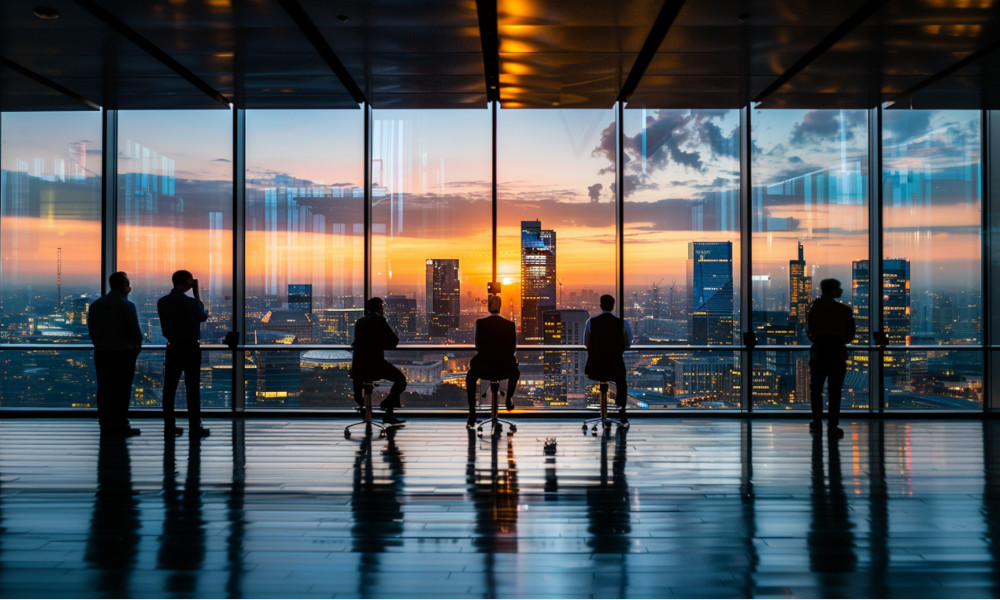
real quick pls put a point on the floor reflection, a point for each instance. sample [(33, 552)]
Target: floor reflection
[(609, 517), (182, 541), (377, 510), (830, 539), (235, 513), (494, 493), (113, 538)]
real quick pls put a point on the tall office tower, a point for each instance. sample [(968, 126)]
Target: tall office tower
[(799, 292), (401, 314), (564, 378), (443, 297), (300, 297), (860, 288), (896, 300), (710, 285), (538, 278)]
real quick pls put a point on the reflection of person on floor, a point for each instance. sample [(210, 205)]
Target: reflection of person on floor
[(372, 337), (114, 329), (377, 511), (830, 540), (496, 341), (830, 326), (607, 337), (113, 540)]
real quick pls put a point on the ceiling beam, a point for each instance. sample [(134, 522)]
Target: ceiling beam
[(13, 66), (489, 36), (661, 26), (150, 48), (958, 66), (319, 43), (839, 33)]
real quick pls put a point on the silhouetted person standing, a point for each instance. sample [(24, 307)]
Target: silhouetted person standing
[(830, 326), (496, 341), (114, 330), (607, 337), (181, 317), (372, 337)]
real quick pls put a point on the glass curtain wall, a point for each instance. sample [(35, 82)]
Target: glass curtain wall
[(175, 204), (682, 254), (809, 223), (932, 259), (558, 243), (50, 244), (556, 240), (432, 241), (304, 253)]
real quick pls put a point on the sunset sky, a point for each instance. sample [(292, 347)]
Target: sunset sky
[(555, 166)]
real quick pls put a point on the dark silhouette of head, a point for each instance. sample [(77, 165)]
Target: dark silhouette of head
[(181, 278), (118, 281), (607, 302), (374, 305), (830, 288), (493, 304)]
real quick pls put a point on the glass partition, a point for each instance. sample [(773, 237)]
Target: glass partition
[(431, 220), (682, 225), (305, 225)]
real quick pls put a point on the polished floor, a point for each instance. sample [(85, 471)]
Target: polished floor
[(673, 508)]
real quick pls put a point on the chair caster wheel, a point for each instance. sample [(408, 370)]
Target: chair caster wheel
[(513, 428), (584, 427), (381, 433), (593, 431), (347, 434)]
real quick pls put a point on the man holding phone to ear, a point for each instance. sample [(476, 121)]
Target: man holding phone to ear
[(181, 317)]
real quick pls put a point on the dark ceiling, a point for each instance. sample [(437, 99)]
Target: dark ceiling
[(137, 54)]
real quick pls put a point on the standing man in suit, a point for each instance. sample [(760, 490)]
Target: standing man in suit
[(181, 317), (372, 337), (496, 341), (114, 329), (830, 327), (607, 337)]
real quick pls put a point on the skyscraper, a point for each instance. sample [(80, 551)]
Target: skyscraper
[(799, 292), (895, 299), (300, 297), (401, 314), (860, 288), (538, 278), (564, 377), (710, 283), (443, 296)]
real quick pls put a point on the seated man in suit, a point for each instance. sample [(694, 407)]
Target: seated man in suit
[(372, 337), (496, 341), (607, 337)]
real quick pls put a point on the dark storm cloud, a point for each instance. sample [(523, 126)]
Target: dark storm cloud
[(820, 126), (795, 160), (899, 126), (595, 192), (682, 138)]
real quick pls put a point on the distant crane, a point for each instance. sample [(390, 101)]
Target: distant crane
[(559, 300)]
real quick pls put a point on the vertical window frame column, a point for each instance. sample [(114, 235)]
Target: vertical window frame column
[(991, 269), (876, 351), (620, 206), (746, 261), (367, 217), (239, 259), (109, 196)]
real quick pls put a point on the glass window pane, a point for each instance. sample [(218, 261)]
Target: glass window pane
[(50, 225), (682, 225), (932, 269), (432, 220), (781, 380), (556, 238), (936, 380), (810, 223), (175, 204), (305, 225), (678, 380), (48, 379)]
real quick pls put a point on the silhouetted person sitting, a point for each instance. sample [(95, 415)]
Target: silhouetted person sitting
[(496, 341), (607, 337), (372, 337), (830, 326), (114, 330), (181, 317)]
